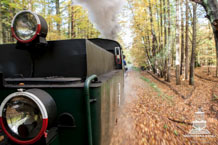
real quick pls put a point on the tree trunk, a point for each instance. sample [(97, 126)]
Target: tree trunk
[(24, 6), (165, 24), (186, 41), (1, 28), (169, 41), (177, 45), (192, 63), (165, 39), (158, 24), (161, 24), (154, 38), (50, 26), (72, 23), (215, 32), (12, 14), (182, 38), (57, 4), (30, 5)]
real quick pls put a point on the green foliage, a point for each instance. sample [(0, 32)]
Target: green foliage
[(158, 90), (165, 126), (205, 51), (153, 85), (215, 98), (136, 68), (176, 132)]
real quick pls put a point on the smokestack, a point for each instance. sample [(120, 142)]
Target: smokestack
[(103, 13)]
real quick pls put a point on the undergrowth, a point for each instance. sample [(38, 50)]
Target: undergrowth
[(136, 69), (215, 98), (157, 90)]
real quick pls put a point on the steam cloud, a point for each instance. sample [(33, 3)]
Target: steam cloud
[(103, 13)]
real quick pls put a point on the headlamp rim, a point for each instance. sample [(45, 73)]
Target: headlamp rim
[(41, 108), (38, 29)]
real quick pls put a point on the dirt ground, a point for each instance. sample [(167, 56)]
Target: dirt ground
[(153, 114)]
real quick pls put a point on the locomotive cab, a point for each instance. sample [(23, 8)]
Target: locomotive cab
[(58, 92)]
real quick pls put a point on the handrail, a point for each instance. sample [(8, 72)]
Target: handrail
[(88, 110)]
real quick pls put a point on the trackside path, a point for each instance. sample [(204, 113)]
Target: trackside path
[(154, 115)]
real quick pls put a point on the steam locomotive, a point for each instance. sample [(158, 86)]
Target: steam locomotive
[(63, 92)]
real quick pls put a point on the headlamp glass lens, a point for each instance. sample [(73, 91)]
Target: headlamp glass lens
[(23, 117), (25, 26)]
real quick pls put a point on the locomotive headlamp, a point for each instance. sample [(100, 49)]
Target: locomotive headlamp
[(27, 26), (25, 116)]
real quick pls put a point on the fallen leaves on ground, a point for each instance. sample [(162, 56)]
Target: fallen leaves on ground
[(154, 115)]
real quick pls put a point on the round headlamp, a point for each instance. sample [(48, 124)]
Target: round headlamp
[(25, 116), (26, 26)]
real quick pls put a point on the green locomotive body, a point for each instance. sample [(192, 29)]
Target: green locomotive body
[(70, 99)]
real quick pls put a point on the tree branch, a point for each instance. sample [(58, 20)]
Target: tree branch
[(179, 121), (197, 1)]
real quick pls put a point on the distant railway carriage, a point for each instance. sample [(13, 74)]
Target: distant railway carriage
[(63, 92)]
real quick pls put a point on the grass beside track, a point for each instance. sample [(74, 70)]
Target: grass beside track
[(157, 90)]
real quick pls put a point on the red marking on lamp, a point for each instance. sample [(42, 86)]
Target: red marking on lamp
[(35, 139), (29, 40), (118, 62)]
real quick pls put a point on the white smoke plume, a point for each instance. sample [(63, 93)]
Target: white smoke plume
[(103, 13)]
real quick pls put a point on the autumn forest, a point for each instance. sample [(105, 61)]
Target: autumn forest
[(171, 50), (164, 33)]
